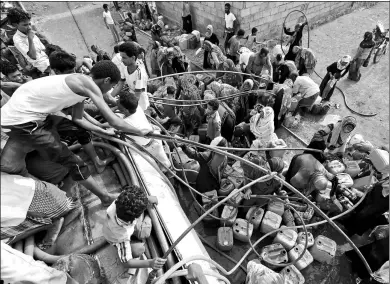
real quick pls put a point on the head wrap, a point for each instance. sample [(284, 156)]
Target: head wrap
[(247, 85), (343, 62), (160, 23), (209, 31), (276, 164), (338, 135), (252, 172), (218, 142), (209, 95)]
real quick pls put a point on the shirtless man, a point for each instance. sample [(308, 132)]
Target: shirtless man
[(26, 117), (259, 62)]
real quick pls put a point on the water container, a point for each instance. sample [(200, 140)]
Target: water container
[(225, 238), (294, 104), (302, 239), (380, 160), (276, 207), (288, 219), (226, 187), (229, 213), (360, 183), (208, 220), (254, 216), (197, 34), (286, 237), (292, 275), (236, 179), (236, 199), (271, 221), (274, 254), (324, 249), (308, 214), (242, 230), (212, 194), (335, 167), (183, 43), (279, 143), (323, 195), (305, 261), (352, 168), (345, 179)]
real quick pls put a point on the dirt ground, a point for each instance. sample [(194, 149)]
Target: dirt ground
[(329, 41)]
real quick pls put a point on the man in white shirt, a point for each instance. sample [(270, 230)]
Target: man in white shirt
[(110, 24), (133, 72), (230, 20), (117, 59), (29, 44), (307, 88)]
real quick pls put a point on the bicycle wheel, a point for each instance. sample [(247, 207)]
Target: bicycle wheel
[(379, 53)]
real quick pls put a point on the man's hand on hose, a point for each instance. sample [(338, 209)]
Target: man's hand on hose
[(247, 194), (157, 263)]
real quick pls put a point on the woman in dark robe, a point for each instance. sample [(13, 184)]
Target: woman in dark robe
[(296, 39), (186, 16), (211, 37)]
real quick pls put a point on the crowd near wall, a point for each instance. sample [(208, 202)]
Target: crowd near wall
[(267, 17)]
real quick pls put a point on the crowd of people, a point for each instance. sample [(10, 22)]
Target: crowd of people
[(50, 99)]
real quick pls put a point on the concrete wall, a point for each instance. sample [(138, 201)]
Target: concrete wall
[(267, 17)]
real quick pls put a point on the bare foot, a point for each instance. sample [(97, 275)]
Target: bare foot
[(109, 199), (52, 233), (101, 165)]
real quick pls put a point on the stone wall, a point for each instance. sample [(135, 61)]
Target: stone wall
[(267, 17)]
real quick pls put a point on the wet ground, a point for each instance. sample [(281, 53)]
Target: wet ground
[(330, 41)]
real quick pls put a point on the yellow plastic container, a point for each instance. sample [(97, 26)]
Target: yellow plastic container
[(274, 254), (271, 221), (236, 199), (292, 274), (302, 239), (352, 168), (279, 143), (286, 238), (254, 216), (229, 213), (345, 179), (324, 249), (242, 230), (225, 238), (276, 207), (305, 261), (212, 194)]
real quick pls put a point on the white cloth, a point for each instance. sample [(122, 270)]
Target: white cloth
[(139, 121), (17, 267), (107, 16), (229, 19), (17, 193), (36, 99), (141, 76), (117, 60), (306, 86), (263, 127), (114, 230), (21, 43), (244, 58)]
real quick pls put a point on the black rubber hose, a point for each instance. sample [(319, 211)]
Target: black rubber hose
[(284, 22), (346, 102)]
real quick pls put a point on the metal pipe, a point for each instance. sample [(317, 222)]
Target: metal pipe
[(295, 135)]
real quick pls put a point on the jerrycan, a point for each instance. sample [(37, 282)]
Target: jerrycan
[(302, 239), (226, 187), (236, 199), (324, 249), (230, 214), (279, 143), (352, 168), (242, 230), (276, 207), (225, 238), (308, 214), (211, 194), (323, 195), (286, 238), (208, 220), (292, 275), (305, 261), (254, 216), (274, 254), (345, 179), (271, 221)]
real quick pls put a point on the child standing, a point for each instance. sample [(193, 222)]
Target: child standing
[(120, 224), (213, 120), (110, 24)]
